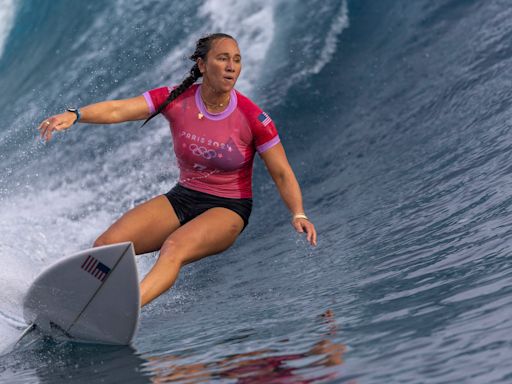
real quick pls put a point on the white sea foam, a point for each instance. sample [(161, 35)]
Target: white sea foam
[(54, 217), (317, 51), (31, 235), (7, 15), (339, 23)]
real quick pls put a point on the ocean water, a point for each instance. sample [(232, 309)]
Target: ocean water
[(396, 118)]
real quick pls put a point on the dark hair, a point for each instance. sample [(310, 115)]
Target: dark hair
[(203, 46)]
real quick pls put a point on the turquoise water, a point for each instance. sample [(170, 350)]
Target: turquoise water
[(396, 118)]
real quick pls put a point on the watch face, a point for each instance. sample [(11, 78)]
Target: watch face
[(71, 109)]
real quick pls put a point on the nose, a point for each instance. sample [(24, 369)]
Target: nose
[(230, 66)]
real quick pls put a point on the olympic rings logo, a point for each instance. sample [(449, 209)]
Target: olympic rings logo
[(202, 151)]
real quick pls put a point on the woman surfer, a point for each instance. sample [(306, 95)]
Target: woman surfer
[(216, 132)]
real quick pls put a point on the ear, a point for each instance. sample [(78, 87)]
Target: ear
[(201, 64)]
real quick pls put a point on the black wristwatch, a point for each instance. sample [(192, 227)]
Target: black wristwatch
[(76, 111)]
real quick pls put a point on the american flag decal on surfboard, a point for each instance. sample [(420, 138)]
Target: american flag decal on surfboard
[(95, 268)]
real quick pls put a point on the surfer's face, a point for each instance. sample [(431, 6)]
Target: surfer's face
[(222, 65)]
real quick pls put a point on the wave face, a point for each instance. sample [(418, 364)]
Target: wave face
[(396, 118)]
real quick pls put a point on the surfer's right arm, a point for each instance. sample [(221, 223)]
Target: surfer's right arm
[(105, 112)]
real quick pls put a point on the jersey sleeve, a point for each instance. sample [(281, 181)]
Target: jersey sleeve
[(264, 131), (155, 97)]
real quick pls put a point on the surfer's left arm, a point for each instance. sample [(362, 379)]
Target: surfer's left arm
[(279, 168)]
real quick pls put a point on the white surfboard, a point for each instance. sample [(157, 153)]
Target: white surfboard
[(91, 296)]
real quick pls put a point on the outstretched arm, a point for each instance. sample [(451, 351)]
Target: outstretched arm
[(286, 182), (105, 112)]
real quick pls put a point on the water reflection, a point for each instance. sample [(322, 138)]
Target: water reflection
[(318, 363), (51, 361)]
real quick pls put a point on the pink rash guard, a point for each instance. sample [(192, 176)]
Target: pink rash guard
[(215, 152)]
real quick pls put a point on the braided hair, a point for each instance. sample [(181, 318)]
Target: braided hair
[(203, 46)]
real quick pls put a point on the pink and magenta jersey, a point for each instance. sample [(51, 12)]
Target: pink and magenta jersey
[(215, 152)]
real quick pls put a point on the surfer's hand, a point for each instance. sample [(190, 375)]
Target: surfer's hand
[(304, 225), (56, 123)]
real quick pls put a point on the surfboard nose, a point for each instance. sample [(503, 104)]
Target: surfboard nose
[(92, 295)]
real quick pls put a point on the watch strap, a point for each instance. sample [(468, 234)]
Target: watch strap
[(76, 111)]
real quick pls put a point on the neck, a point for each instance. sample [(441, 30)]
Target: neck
[(214, 99)]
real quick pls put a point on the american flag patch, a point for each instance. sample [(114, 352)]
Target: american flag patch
[(95, 268), (264, 119)]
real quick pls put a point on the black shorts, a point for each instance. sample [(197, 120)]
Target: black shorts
[(189, 204)]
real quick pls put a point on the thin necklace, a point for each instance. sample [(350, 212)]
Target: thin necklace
[(215, 105)]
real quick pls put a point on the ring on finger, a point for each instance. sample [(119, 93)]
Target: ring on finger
[(47, 122)]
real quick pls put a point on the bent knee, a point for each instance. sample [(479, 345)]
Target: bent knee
[(174, 251), (171, 248)]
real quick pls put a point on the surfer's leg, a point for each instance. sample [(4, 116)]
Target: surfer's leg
[(147, 226), (209, 233)]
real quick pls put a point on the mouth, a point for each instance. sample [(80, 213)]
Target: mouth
[(229, 78)]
